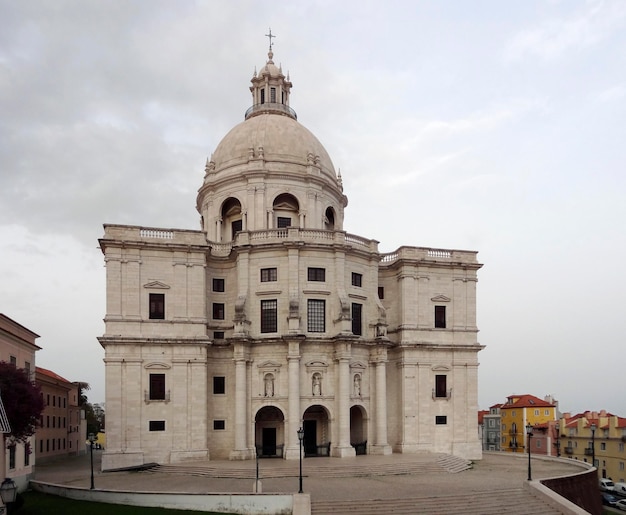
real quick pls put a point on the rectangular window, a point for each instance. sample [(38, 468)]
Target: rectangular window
[(440, 317), (492, 423), (269, 316), (381, 292), (538, 443), (620, 447), (603, 446), (13, 361), (54, 400), (11, 457), (357, 279), (269, 275), (441, 420), (546, 412), (218, 311), (47, 399), (27, 368), (262, 96), (536, 413), (357, 326), (236, 226), (316, 274), (157, 306), (316, 316), (219, 425), (283, 222), (156, 425), (441, 388), (219, 384), (218, 284), (157, 387), (40, 445), (218, 335), (273, 95)]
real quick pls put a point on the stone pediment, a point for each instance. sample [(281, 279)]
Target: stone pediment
[(357, 365), (269, 364), (316, 363), (158, 285), (441, 368), (157, 366), (441, 298)]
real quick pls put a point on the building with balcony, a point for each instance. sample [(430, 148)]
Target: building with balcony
[(491, 429), (518, 412), (18, 347), (62, 429), (223, 342), (598, 437)]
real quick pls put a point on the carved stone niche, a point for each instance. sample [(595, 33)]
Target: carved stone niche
[(317, 372), (269, 379), (357, 374)]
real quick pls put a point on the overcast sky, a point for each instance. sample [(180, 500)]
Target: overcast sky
[(486, 125)]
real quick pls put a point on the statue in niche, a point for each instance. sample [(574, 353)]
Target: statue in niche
[(317, 384), (269, 385), (357, 385)]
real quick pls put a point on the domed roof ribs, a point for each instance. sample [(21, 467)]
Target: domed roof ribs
[(270, 89)]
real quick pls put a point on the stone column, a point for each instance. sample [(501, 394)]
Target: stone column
[(381, 446), (342, 401), (294, 417), (241, 450)]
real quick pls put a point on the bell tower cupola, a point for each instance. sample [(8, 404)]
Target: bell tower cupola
[(270, 89)]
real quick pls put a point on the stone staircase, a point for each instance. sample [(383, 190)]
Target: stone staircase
[(511, 502), (314, 466)]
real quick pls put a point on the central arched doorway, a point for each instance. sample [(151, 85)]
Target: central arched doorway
[(269, 432), (315, 422)]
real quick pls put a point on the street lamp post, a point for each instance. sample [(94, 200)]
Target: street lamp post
[(300, 438), (529, 432), (8, 494), (92, 439), (593, 444)]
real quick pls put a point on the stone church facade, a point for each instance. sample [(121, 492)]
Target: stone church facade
[(223, 342)]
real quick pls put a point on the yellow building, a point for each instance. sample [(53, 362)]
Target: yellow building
[(595, 436), (517, 413)]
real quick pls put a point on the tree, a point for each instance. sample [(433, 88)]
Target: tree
[(22, 399)]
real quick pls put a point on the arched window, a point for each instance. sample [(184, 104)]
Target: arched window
[(329, 219), (232, 220), (286, 211)]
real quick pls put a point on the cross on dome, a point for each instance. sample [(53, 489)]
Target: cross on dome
[(270, 36)]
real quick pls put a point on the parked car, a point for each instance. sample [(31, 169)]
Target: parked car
[(621, 504), (619, 488), (606, 485), (608, 499)]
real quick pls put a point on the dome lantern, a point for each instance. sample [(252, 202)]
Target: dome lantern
[(270, 89)]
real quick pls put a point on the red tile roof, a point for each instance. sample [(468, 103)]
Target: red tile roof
[(52, 374), (526, 401)]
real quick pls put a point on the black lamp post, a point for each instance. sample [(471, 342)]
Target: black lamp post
[(8, 492), (300, 437), (593, 444), (92, 439), (529, 433)]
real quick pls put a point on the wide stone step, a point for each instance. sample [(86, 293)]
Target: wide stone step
[(515, 502), (249, 472)]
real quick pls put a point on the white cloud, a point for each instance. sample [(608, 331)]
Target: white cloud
[(550, 39)]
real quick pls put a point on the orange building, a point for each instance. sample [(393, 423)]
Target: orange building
[(62, 428)]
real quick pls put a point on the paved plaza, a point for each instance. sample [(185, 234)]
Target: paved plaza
[(363, 480)]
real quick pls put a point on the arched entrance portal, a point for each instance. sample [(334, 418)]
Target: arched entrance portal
[(358, 429), (269, 432), (316, 431)]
